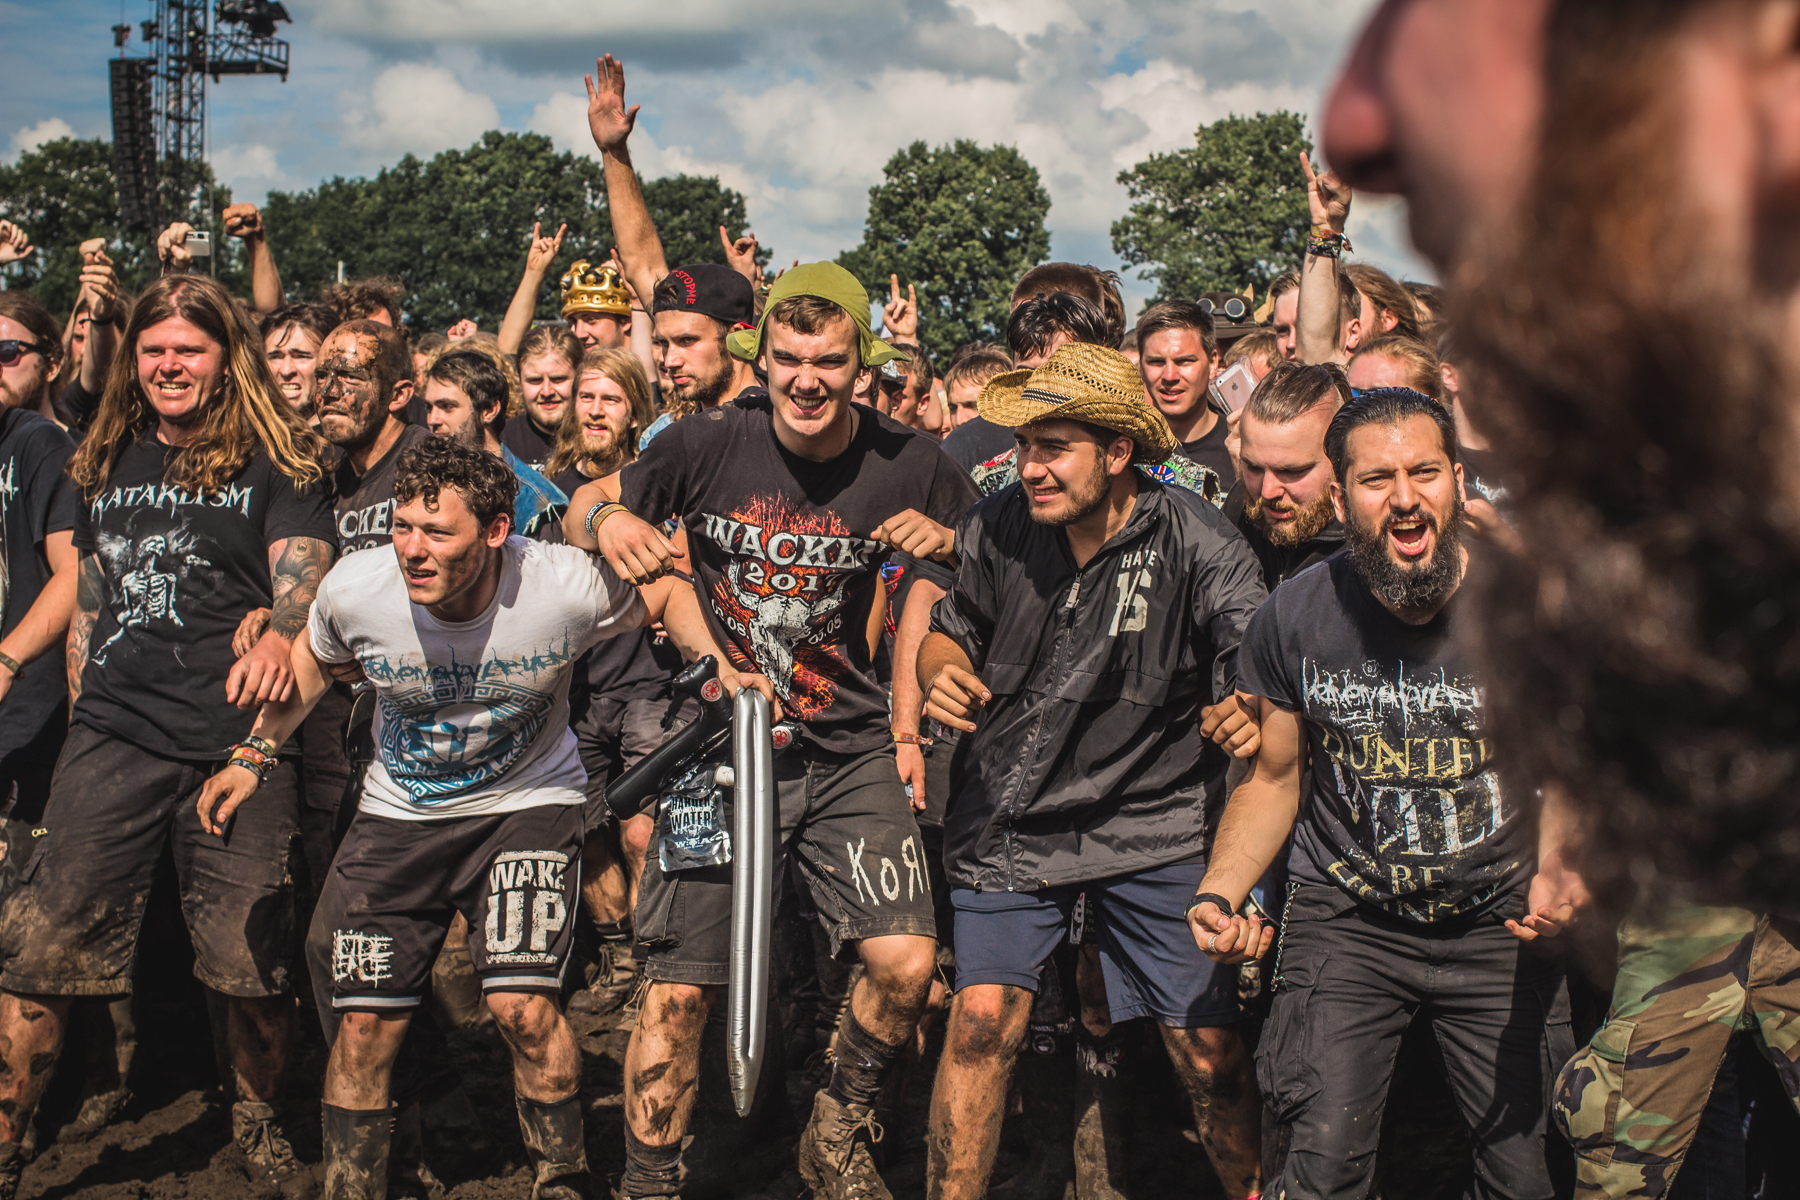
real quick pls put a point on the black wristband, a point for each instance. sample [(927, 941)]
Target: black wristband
[(1225, 906)]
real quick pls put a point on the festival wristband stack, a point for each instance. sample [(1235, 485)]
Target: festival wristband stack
[(254, 754), (597, 515), (1327, 242)]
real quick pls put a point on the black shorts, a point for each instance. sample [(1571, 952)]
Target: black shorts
[(71, 927), (848, 821), (395, 886), (613, 735)]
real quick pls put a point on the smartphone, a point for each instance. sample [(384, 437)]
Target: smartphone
[(1232, 388), (198, 244)]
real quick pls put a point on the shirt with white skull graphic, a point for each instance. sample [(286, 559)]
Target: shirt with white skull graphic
[(181, 568), (782, 553)]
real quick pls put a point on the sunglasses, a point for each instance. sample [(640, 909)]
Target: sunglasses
[(12, 350)]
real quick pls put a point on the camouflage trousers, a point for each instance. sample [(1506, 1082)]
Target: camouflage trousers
[(1689, 977)]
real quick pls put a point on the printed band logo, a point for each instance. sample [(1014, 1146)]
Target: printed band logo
[(526, 908), (887, 875), (361, 957)]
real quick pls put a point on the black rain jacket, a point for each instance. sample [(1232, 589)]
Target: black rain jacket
[(1089, 761)]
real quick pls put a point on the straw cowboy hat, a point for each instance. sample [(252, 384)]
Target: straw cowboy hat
[(1081, 382)]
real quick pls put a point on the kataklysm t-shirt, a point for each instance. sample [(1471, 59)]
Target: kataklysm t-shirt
[(181, 568), (473, 715), (787, 572), (1405, 811)]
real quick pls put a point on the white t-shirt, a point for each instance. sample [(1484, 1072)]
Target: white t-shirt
[(474, 715)]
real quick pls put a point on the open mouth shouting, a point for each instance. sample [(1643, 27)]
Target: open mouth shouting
[(1411, 536)]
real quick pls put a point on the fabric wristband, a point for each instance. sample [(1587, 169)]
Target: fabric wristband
[(11, 664), (1225, 906), (597, 515)]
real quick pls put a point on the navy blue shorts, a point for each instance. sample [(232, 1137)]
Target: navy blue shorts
[(1147, 953)]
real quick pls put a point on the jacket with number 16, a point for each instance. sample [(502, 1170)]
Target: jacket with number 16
[(1089, 761)]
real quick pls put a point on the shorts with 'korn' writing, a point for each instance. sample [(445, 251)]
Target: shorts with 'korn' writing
[(849, 824), (395, 886)]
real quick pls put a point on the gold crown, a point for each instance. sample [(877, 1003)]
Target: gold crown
[(594, 290)]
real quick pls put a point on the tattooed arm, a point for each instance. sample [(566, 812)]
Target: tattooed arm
[(295, 567), (90, 593)]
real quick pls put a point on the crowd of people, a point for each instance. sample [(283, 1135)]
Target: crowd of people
[(1222, 675)]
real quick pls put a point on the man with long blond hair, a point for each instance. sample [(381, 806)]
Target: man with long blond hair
[(620, 703), (201, 500)]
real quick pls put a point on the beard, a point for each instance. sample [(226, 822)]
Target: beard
[(605, 454), (1306, 524), (1081, 499), (700, 393), (1409, 587), (1643, 651)]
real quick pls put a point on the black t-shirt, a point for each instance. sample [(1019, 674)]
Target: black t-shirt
[(522, 436), (363, 505), (181, 569), (976, 441), (639, 665), (1208, 451), (1405, 810), (782, 553), (36, 500), (77, 406), (1481, 477)]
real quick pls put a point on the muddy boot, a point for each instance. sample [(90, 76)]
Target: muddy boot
[(110, 1035), (456, 990), (1102, 1109), (556, 1144), (408, 1176), (614, 983), (267, 1160), (12, 1166), (356, 1152), (834, 1152)]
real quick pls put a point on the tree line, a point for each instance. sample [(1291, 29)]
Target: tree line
[(961, 222)]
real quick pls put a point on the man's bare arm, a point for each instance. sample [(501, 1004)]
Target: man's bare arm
[(1257, 820), (90, 594), (909, 694), (1321, 320), (244, 220), (275, 722), (633, 231), (47, 621), (264, 673), (539, 257)]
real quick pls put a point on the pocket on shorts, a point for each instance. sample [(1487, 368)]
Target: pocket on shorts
[(1285, 1067), (1590, 1088)]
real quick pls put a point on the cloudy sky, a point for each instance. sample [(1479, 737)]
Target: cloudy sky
[(796, 103)]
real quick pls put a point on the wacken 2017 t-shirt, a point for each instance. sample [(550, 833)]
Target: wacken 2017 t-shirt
[(181, 568), (788, 573), (364, 505), (1405, 811)]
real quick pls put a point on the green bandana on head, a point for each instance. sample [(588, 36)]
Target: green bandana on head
[(827, 281)]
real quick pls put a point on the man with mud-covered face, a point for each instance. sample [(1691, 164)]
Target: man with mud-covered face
[(363, 385)]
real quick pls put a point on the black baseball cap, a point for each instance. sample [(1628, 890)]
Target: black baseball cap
[(709, 289)]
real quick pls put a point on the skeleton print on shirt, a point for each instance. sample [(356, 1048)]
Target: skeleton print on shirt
[(147, 575)]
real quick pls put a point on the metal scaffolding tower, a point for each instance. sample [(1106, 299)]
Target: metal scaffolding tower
[(189, 40)]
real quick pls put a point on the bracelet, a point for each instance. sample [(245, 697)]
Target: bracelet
[(911, 739), (11, 664), (258, 766), (1327, 245), (262, 745), (597, 515), (1225, 906)]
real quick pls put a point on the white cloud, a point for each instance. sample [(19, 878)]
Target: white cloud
[(33, 136), (417, 108), (244, 167)]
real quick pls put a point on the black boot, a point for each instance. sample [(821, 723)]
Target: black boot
[(408, 1176), (356, 1152), (556, 1144)]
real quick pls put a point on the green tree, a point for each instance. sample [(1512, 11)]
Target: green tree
[(453, 230), (1228, 211), (961, 223), (62, 193)]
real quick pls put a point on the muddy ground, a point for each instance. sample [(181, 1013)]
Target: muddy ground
[(172, 1139)]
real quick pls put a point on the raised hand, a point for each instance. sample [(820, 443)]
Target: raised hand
[(741, 255), (1327, 196), (543, 249), (171, 247), (609, 120), (901, 317), (462, 330), (244, 221), (15, 244), (99, 285)]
